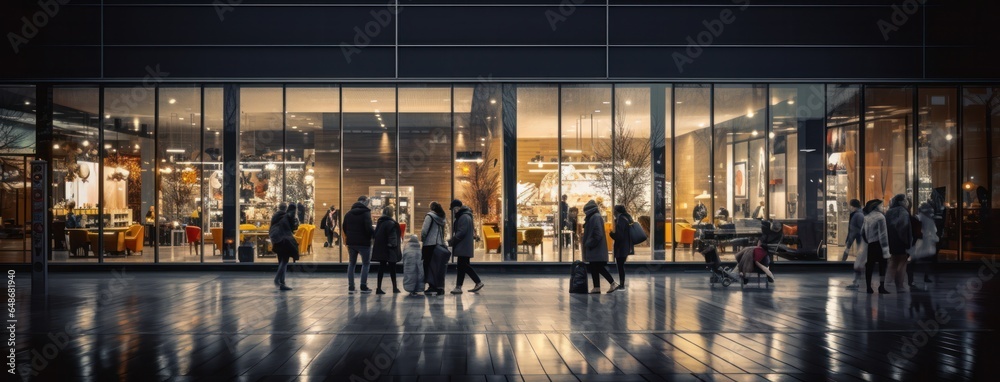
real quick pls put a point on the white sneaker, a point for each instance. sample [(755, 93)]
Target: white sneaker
[(596, 290), (477, 287), (457, 290), (614, 287)]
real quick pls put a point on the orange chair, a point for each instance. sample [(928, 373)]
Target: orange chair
[(193, 237), (134, 239), (114, 242), (491, 236), (301, 235), (216, 240)]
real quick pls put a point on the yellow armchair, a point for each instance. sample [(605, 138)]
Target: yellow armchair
[(491, 236), (301, 235), (134, 239), (685, 234), (216, 239)]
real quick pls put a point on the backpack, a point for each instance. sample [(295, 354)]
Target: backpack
[(578, 278)]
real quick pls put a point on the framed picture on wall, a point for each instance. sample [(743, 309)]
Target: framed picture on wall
[(740, 183)]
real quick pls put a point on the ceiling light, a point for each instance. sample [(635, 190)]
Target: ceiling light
[(85, 143), (628, 102), (295, 127), (680, 102), (493, 101), (374, 101), (754, 133), (597, 111), (383, 125), (293, 115), (791, 102), (949, 137), (107, 145), (27, 102), (606, 102), (107, 116), (181, 118), (179, 151), (807, 150), (771, 134), (172, 101), (216, 133), (750, 114), (136, 146), (310, 123), (55, 146), (482, 139)]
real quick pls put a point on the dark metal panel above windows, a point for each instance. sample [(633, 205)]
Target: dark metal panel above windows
[(502, 25), (761, 26), (743, 63), (247, 62), (248, 25), (494, 62), (31, 24), (51, 62)]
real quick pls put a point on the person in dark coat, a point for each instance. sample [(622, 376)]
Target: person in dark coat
[(623, 247), (301, 208), (432, 235), (329, 224), (282, 230), (387, 248), (564, 221), (857, 221), (874, 232), (358, 232), (573, 218), (900, 232), (595, 247), (462, 245)]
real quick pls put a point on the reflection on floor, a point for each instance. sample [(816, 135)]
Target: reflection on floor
[(667, 326)]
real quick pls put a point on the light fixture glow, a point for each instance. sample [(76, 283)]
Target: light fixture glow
[(949, 137), (178, 151), (85, 143), (754, 133), (750, 114), (172, 101), (628, 102), (791, 102), (493, 102)]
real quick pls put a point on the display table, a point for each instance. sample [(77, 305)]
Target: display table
[(260, 240)]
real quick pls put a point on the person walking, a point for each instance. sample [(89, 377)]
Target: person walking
[(875, 233), (461, 243), (564, 221), (387, 248), (358, 234), (329, 225), (432, 235), (283, 225), (924, 252), (621, 233), (595, 247), (857, 220), (900, 233)]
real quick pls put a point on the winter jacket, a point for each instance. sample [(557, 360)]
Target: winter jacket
[(73, 221), (854, 227), (462, 240), (874, 231), (622, 235), (387, 241), (282, 235), (897, 220), (432, 232), (595, 242), (927, 245), (358, 226)]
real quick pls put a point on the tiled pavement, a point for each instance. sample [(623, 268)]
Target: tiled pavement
[(672, 325)]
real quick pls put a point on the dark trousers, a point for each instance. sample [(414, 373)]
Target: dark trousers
[(620, 264), (426, 253), (926, 264), (465, 268), (874, 259), (382, 265), (599, 267)]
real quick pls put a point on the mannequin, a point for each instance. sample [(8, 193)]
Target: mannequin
[(700, 212), (758, 213)]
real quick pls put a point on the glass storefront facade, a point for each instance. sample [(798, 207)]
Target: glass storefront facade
[(156, 173)]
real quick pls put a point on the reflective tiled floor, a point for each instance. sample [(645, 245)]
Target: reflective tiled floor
[(667, 326)]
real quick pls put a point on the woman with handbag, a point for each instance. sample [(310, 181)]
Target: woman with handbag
[(623, 246), (432, 236), (595, 247), (386, 250)]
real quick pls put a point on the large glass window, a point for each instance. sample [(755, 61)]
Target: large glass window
[(842, 165), (888, 142), (370, 163), (17, 144), (312, 167), (797, 166), (632, 175), (980, 187), (692, 201), (589, 156), (538, 192), (739, 155), (211, 213), (75, 120), (425, 143), (937, 149), (178, 217), (262, 164), (479, 162)]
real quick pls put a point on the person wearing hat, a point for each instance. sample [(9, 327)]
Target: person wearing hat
[(462, 245), (875, 233), (857, 220)]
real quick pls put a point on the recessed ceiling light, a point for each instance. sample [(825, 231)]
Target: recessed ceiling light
[(85, 143), (754, 133), (172, 101), (750, 114), (493, 101), (310, 123), (107, 116), (597, 111), (606, 102), (383, 125), (295, 127), (27, 102), (791, 102), (374, 101), (181, 118), (628, 102), (680, 102), (55, 146), (293, 115)]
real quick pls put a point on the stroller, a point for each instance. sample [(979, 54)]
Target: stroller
[(714, 265)]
